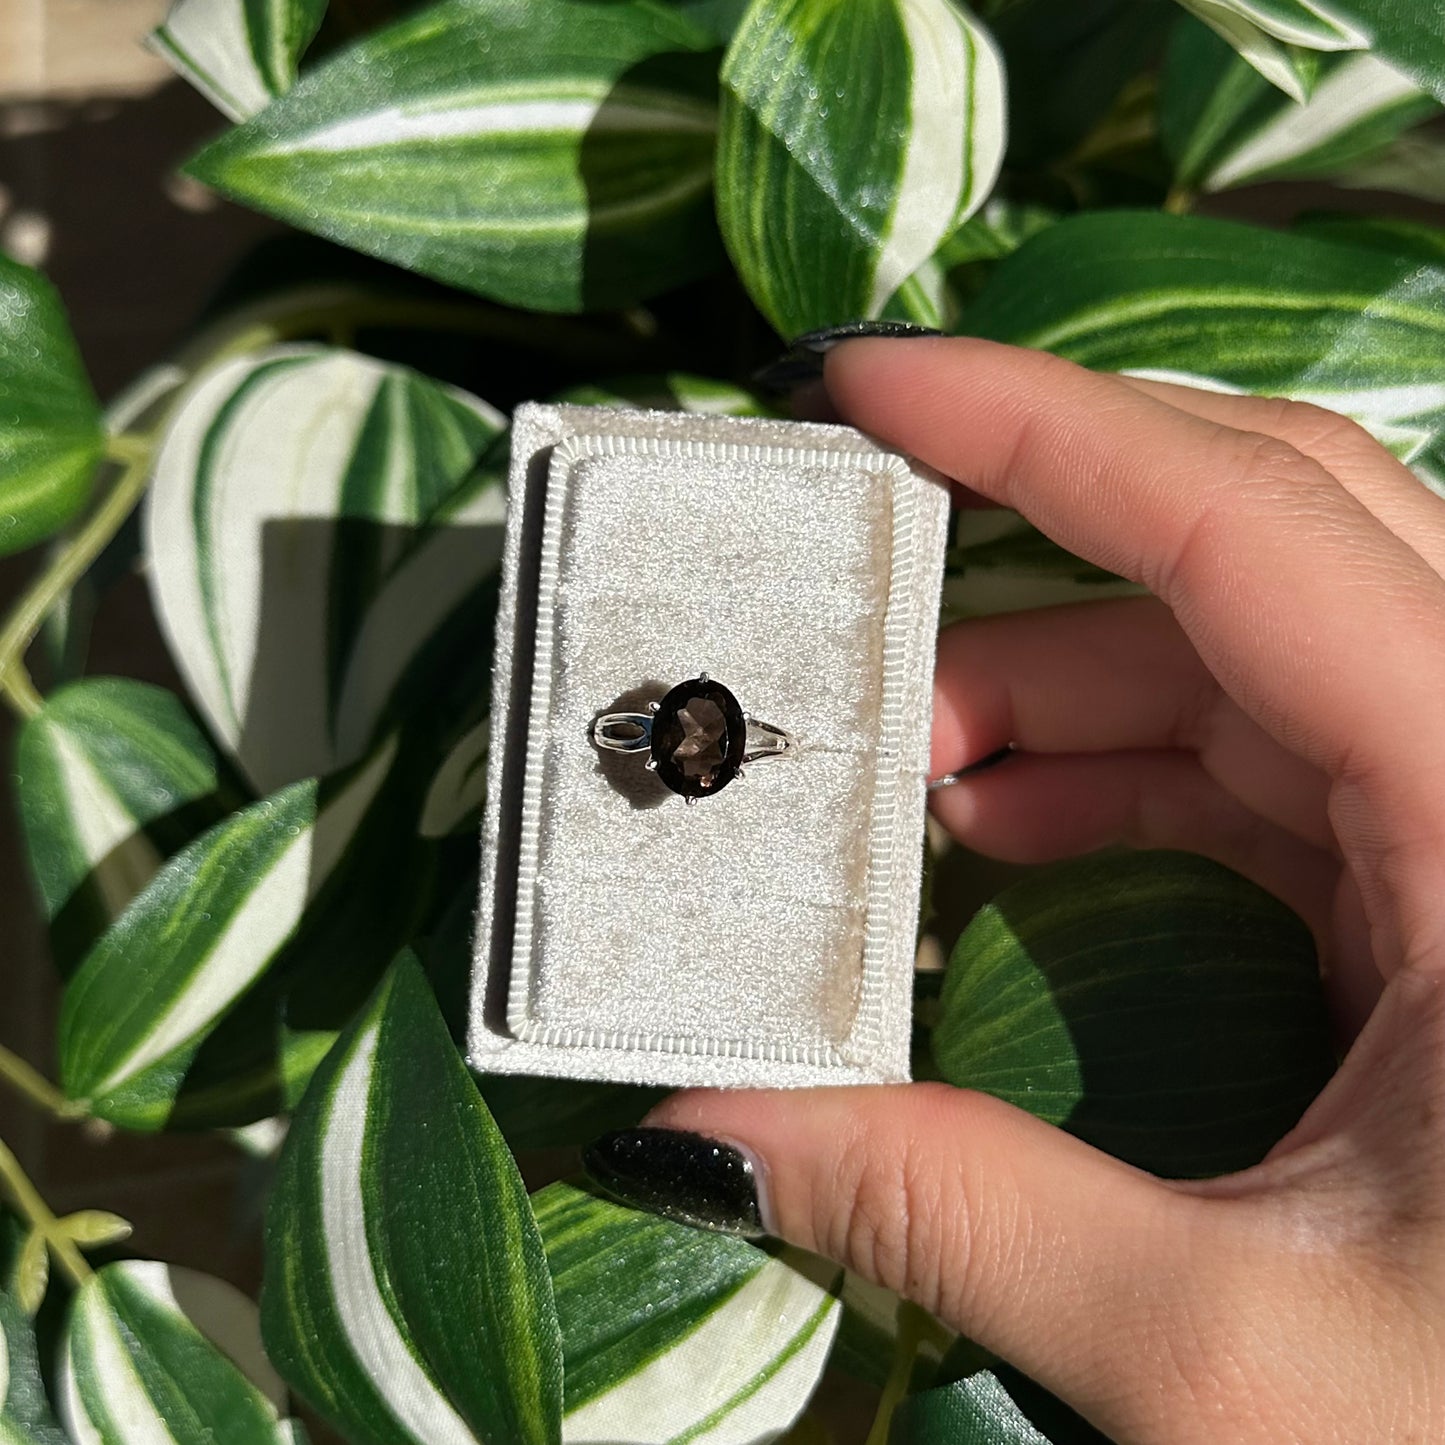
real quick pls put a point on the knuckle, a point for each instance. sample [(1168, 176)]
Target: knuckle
[(1257, 457), (1314, 425), (892, 1217)]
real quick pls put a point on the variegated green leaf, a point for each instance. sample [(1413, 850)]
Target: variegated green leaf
[(1229, 307), (1189, 953), (314, 521), (240, 54), (856, 135), (557, 157), (1278, 38), (32, 1271), (455, 795), (672, 1333), (675, 391), (25, 1416), (114, 778), (974, 1411), (94, 1228), (1226, 126), (156, 1355), (52, 436), (1376, 233), (1411, 165), (196, 938), (995, 231), (407, 1294)]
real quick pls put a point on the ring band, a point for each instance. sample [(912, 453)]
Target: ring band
[(697, 738)]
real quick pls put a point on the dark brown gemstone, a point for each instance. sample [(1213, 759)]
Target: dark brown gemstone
[(699, 736)]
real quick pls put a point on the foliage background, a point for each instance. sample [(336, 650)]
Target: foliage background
[(105, 223)]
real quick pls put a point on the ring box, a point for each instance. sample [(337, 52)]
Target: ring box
[(766, 936)]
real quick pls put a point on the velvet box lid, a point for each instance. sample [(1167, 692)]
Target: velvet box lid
[(765, 936)]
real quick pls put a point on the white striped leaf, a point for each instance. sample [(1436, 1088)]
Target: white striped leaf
[(157, 1355), (856, 135), (196, 938), (114, 778), (52, 438), (977, 1410), (407, 1294), (25, 1416), (240, 54), (557, 157), (671, 1333), (1225, 126), (297, 562), (1280, 38), (1215, 304)]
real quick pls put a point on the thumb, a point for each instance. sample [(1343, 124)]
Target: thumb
[(1053, 1255)]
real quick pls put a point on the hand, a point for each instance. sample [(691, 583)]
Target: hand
[(1279, 708)]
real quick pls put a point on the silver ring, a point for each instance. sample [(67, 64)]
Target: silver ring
[(697, 738)]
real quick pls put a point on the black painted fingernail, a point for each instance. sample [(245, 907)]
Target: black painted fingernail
[(803, 360), (679, 1175), (992, 760)]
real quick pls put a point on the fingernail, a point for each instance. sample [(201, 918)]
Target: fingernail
[(681, 1176), (803, 360), (992, 760)]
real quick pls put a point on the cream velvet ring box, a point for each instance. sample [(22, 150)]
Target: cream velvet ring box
[(766, 935)]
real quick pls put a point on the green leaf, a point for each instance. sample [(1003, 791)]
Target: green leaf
[(974, 1411), (672, 1333), (1412, 165), (407, 1294), (1280, 38), (95, 1228), (155, 1353), (856, 135), (1235, 308), (114, 778), (52, 438), (673, 391), (25, 1417), (316, 520), (1155, 1004), (1397, 237), (195, 939), (534, 1112), (996, 231), (32, 1272), (553, 156), (1408, 34), (240, 55), (1225, 126)]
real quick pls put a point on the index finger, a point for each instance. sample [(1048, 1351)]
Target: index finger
[(1317, 620)]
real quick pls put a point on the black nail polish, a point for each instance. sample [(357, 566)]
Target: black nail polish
[(679, 1175), (803, 360)]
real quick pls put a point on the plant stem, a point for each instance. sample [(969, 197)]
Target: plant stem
[(30, 1082), (1179, 201), (911, 1326), (36, 1213), (66, 569)]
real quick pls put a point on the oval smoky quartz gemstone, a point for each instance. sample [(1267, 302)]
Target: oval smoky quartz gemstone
[(699, 738)]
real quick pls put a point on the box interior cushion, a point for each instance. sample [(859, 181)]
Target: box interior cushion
[(760, 925)]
